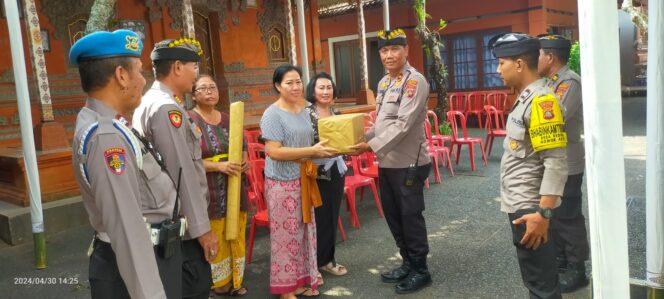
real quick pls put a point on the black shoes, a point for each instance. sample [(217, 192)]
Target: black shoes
[(396, 274), (573, 278), (414, 282), (411, 275)]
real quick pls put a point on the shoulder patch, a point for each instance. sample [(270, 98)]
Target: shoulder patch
[(116, 160), (175, 116), (547, 127), (561, 90), (411, 87)]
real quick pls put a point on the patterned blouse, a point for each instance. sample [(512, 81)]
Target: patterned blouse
[(214, 141)]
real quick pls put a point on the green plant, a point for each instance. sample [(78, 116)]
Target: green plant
[(445, 128), (574, 61), (432, 46)]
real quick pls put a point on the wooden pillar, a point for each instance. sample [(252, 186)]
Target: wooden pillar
[(317, 59), (188, 18), (48, 133), (364, 95)]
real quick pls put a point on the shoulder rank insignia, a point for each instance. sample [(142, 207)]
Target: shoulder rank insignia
[(115, 160), (562, 90), (411, 87), (175, 116)]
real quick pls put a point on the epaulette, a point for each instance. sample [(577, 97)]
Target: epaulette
[(112, 125)]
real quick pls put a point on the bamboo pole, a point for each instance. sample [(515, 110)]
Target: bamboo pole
[(234, 181)]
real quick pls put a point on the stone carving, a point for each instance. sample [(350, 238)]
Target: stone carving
[(60, 12), (206, 6)]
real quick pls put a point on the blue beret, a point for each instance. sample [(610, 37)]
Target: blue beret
[(513, 44), (104, 44)]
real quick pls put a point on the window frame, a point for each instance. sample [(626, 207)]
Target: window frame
[(478, 35)]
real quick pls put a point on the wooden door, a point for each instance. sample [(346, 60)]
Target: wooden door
[(202, 27)]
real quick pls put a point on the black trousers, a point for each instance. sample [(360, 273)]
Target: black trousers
[(106, 282), (539, 271), (403, 207), (196, 271), (568, 225), (331, 192)]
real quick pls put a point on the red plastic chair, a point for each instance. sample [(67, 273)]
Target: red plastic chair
[(355, 181), (256, 151), (476, 106), (438, 139), (252, 136), (494, 127), (459, 141), (260, 216), (372, 115), (458, 102), (438, 151), (498, 99), (368, 165)]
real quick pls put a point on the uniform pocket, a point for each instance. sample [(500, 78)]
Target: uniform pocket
[(391, 105), (152, 170)]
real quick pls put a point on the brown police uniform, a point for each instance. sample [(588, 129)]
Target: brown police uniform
[(525, 176), (398, 140), (125, 193), (163, 121)]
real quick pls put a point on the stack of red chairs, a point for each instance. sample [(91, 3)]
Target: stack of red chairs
[(498, 100), (355, 181), (476, 106), (252, 136), (436, 151)]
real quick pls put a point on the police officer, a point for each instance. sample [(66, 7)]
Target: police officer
[(568, 225), (125, 192), (533, 169), (399, 142), (162, 119)]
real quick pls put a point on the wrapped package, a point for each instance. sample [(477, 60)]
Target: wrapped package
[(235, 136), (342, 130)]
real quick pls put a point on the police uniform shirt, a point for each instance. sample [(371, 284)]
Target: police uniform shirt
[(398, 132), (107, 166), (525, 173), (165, 123), (566, 85)]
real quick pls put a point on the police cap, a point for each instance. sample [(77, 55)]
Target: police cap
[(555, 42), (184, 49), (513, 44), (391, 38), (104, 44)]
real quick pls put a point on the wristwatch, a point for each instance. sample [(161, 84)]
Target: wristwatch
[(545, 212)]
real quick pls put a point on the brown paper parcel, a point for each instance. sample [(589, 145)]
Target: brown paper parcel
[(342, 130)]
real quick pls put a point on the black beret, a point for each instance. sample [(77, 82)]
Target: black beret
[(513, 44), (396, 37), (555, 42), (184, 49)]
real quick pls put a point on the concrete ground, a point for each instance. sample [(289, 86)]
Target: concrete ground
[(471, 253)]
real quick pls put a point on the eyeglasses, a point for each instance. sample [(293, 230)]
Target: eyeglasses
[(206, 89)]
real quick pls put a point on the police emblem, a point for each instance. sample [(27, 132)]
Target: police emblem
[(547, 109), (514, 144), (562, 90), (175, 116), (411, 87), (115, 160)]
